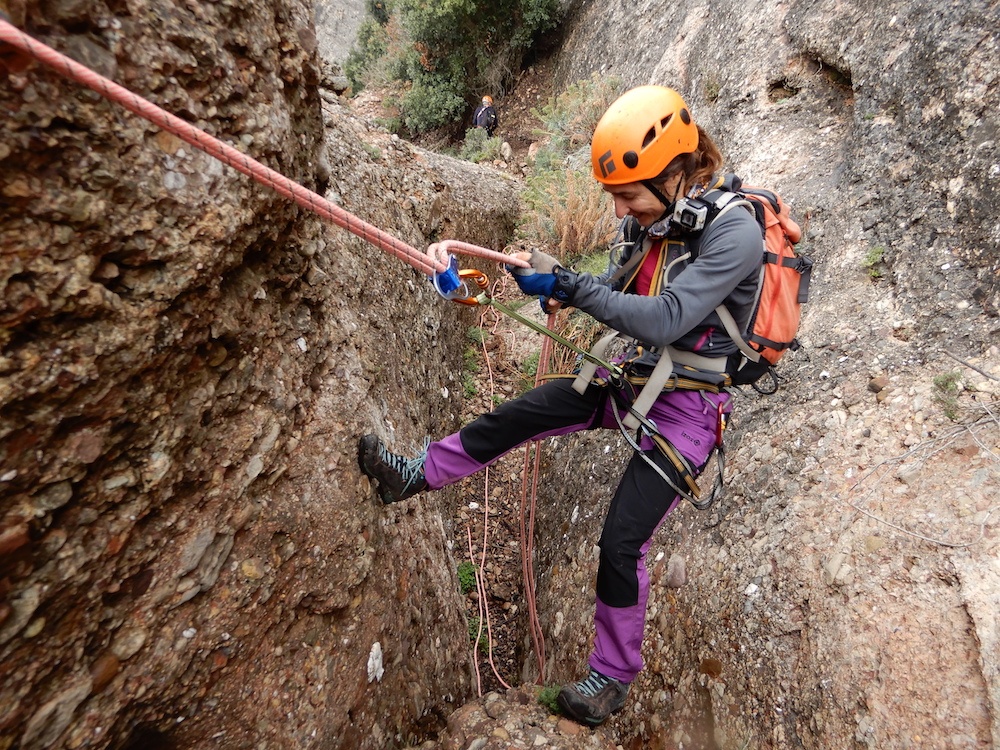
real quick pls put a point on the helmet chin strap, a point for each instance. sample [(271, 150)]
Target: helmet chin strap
[(668, 205)]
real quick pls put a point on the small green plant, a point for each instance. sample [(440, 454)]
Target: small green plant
[(946, 390), (547, 697), (873, 260), (469, 388), (466, 576), (470, 368), (712, 90), (479, 147), (483, 643)]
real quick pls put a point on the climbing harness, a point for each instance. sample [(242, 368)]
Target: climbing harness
[(453, 284)]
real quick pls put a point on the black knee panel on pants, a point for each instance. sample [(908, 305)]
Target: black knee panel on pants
[(637, 509)]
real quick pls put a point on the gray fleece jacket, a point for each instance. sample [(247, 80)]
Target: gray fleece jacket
[(728, 255)]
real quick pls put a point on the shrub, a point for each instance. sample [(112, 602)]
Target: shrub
[(568, 212), (582, 330), (565, 208), (447, 52), (372, 43), (479, 147)]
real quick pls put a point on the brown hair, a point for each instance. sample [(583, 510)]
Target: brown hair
[(698, 167)]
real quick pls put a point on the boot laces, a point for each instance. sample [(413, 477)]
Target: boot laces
[(594, 683), (411, 470)]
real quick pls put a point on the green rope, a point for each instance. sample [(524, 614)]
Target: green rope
[(483, 299)]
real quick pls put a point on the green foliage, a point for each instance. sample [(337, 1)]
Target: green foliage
[(529, 371), (466, 576), (530, 366), (568, 119), (873, 260), (712, 90), (946, 390), (447, 52), (379, 10), (479, 147), (565, 208), (476, 335), (547, 697), (482, 643), (433, 100), (594, 263), (372, 43)]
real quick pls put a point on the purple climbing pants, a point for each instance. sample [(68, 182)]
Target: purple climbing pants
[(688, 419)]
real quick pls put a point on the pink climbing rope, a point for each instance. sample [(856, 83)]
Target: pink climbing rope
[(228, 155)]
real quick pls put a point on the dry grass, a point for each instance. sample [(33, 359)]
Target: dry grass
[(569, 214), (566, 211), (579, 328)]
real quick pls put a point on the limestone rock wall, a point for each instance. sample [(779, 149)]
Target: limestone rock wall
[(838, 596), (189, 556)]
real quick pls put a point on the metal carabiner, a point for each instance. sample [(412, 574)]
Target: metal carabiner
[(478, 278)]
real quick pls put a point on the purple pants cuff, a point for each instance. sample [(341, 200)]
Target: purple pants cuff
[(618, 640)]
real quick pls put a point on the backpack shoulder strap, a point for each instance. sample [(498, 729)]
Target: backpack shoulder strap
[(731, 201)]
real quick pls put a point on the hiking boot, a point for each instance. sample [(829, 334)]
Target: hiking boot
[(593, 699), (398, 477)]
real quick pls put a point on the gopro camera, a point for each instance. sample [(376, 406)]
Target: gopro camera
[(690, 214)]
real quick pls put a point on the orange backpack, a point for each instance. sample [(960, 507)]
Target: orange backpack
[(783, 289)]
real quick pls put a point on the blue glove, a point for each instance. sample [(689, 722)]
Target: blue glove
[(540, 279), (531, 282)]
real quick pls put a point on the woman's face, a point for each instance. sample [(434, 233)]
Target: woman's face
[(635, 199)]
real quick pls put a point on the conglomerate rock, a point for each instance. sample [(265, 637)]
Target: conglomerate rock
[(189, 556)]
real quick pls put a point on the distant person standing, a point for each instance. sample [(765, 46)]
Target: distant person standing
[(486, 116)]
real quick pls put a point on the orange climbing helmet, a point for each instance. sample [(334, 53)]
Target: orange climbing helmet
[(487, 99), (640, 134)]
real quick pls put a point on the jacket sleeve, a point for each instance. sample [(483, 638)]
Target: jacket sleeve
[(725, 271)]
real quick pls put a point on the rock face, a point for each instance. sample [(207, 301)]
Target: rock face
[(337, 25), (844, 592), (189, 556)]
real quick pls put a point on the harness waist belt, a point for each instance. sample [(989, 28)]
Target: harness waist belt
[(711, 364)]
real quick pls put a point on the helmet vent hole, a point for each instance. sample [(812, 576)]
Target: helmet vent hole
[(665, 121), (650, 137)]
